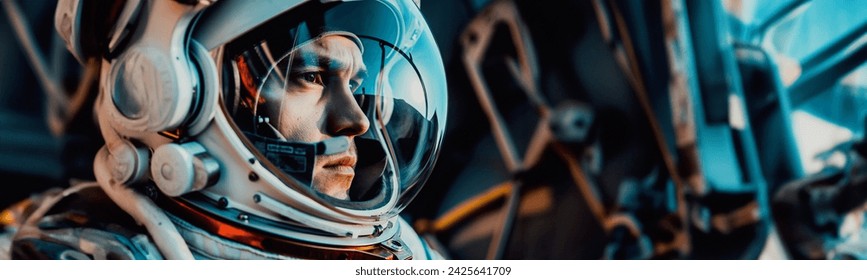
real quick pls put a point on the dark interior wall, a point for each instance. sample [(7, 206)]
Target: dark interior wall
[(29, 154)]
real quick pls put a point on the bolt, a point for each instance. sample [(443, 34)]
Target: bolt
[(223, 203), (253, 177), (151, 191), (243, 217), (377, 230)]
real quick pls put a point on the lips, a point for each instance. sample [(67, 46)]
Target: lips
[(341, 164)]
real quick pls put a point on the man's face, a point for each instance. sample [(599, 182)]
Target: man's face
[(318, 104)]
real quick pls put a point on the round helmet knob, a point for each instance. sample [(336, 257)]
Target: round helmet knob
[(178, 169)]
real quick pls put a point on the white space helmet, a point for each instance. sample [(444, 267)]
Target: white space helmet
[(312, 121)]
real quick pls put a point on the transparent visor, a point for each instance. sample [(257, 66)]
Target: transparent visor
[(345, 102)]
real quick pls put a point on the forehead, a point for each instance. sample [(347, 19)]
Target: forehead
[(335, 52)]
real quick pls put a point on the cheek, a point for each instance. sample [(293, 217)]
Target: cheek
[(299, 120)]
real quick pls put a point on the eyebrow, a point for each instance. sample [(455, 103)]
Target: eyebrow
[(304, 59)]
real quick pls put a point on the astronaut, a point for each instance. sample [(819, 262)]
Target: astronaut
[(240, 130)]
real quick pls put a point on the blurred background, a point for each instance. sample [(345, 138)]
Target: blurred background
[(44, 140), (577, 129)]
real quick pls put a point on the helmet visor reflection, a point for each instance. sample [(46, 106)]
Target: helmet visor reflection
[(376, 63)]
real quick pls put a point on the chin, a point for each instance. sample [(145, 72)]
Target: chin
[(334, 187)]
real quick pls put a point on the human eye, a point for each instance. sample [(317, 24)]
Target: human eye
[(311, 77)]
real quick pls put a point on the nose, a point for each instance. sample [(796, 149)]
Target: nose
[(345, 117)]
